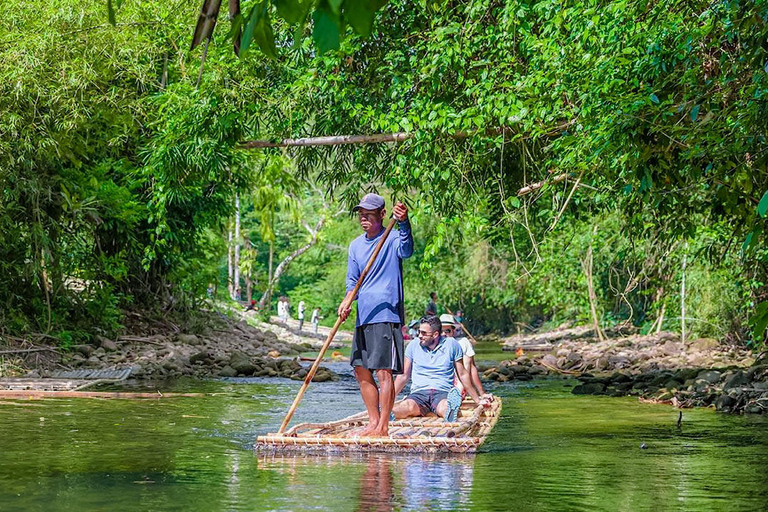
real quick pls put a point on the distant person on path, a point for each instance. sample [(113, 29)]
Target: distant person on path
[(253, 306), (282, 309), (431, 364), (316, 318), (301, 309), (377, 345), (431, 309), (449, 330)]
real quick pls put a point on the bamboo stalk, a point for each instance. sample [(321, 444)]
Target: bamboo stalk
[(331, 334)]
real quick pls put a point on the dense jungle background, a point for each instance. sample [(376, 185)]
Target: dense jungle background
[(564, 160)]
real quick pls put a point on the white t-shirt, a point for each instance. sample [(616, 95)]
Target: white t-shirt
[(301, 310), (466, 347)]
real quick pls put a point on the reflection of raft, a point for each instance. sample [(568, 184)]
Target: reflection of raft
[(426, 434)]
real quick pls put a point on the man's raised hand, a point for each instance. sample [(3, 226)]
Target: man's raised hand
[(400, 212)]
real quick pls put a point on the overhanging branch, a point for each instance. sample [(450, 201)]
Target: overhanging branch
[(536, 186), (340, 140)]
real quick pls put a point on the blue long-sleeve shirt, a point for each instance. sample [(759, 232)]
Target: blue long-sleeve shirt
[(380, 298)]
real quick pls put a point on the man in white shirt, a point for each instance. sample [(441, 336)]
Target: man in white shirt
[(301, 310), (449, 330)]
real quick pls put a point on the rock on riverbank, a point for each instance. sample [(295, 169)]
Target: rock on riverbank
[(657, 367), (736, 390), (222, 348)]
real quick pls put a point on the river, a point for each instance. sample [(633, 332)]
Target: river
[(551, 450)]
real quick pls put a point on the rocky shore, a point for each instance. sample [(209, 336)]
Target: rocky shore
[(222, 347), (734, 389), (657, 367)]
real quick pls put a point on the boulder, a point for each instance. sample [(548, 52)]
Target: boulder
[(189, 339), (711, 376), (86, 350), (703, 344), (737, 380), (671, 348), (241, 363), (106, 343), (228, 371), (199, 357), (725, 402), (550, 360)]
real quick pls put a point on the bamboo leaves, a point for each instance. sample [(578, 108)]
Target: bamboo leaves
[(259, 29), (329, 18)]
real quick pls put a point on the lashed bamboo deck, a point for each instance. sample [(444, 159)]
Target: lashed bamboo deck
[(428, 434)]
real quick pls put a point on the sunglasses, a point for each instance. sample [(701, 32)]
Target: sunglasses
[(425, 333)]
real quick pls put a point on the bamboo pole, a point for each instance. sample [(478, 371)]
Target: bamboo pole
[(331, 334), (463, 327)]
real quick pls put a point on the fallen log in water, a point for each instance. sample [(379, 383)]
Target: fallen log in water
[(34, 394)]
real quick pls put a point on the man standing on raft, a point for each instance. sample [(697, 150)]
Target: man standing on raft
[(377, 345)]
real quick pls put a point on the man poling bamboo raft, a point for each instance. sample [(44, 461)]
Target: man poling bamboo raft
[(378, 347)]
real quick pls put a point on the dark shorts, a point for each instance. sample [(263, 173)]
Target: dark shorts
[(428, 399), (378, 347)]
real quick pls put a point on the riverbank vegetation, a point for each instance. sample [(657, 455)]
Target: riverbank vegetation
[(599, 162)]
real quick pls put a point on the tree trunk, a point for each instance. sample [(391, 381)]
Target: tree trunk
[(283, 266), (268, 291), (229, 261), (236, 262), (661, 318), (682, 295), (587, 266)]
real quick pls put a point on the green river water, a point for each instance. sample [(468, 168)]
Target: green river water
[(551, 450)]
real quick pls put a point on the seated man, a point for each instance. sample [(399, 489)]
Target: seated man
[(432, 363), (450, 329)]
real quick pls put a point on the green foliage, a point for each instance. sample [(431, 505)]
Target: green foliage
[(118, 175)]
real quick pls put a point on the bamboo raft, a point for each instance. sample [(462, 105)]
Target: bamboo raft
[(427, 434)]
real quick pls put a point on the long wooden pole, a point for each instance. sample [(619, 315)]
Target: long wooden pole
[(331, 334)]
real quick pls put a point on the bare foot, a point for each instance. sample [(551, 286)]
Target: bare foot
[(379, 432), (367, 431)]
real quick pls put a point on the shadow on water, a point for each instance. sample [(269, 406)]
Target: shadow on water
[(551, 450)]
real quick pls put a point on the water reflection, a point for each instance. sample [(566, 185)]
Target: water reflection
[(438, 484), (384, 482), (377, 486)]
